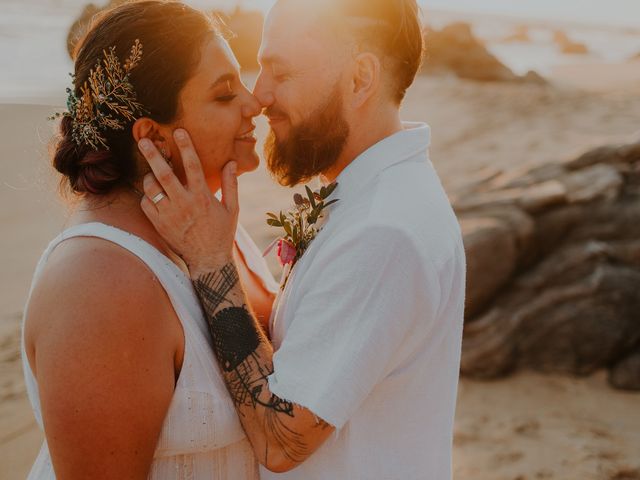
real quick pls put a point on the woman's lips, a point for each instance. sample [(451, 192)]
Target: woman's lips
[(247, 137)]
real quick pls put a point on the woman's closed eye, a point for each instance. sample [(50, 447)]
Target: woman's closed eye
[(227, 96)]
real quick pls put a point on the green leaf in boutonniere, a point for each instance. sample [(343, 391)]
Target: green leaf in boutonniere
[(299, 224)]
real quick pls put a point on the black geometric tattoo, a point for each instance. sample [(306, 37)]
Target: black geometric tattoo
[(236, 339), (234, 336), (236, 342), (213, 288)]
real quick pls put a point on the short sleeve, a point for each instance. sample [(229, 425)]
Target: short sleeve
[(364, 294)]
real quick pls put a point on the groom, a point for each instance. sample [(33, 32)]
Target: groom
[(360, 378)]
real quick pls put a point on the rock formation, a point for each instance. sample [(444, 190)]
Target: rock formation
[(519, 35), (246, 35), (243, 29), (554, 268), (81, 24), (456, 49), (569, 46)]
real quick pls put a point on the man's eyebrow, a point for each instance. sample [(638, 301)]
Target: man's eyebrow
[(271, 59), (227, 77)]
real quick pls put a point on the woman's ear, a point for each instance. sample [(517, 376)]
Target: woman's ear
[(366, 77), (147, 128)]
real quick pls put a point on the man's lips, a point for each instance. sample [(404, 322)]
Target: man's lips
[(276, 118)]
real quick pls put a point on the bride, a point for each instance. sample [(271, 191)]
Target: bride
[(116, 353)]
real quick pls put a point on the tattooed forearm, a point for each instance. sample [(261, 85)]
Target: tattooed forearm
[(213, 288), (235, 341), (246, 359)]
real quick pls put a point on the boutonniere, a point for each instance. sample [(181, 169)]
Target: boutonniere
[(300, 224)]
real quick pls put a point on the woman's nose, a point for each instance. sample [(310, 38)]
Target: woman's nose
[(251, 107)]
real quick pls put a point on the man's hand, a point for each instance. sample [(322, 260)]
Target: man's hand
[(189, 217), (194, 223)]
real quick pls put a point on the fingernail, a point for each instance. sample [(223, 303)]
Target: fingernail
[(145, 144), (234, 168), (148, 179), (180, 134)]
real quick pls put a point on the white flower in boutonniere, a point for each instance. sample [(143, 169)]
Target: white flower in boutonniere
[(300, 225)]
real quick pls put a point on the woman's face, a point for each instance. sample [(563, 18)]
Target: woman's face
[(217, 110)]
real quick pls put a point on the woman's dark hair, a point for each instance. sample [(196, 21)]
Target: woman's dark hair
[(172, 35)]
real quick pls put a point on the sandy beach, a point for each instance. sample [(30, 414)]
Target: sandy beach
[(525, 427)]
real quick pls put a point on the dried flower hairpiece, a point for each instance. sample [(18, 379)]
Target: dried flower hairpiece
[(107, 100)]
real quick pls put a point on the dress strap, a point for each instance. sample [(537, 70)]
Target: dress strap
[(174, 281)]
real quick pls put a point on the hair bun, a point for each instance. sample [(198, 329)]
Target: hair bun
[(87, 170)]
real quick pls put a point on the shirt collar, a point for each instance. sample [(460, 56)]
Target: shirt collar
[(413, 140)]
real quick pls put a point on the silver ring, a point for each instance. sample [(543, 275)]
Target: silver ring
[(158, 198)]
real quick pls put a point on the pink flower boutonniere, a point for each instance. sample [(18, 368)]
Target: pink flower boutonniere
[(300, 224)]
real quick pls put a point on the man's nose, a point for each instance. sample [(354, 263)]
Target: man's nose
[(263, 92), (252, 107)]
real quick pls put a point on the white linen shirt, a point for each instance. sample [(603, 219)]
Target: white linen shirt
[(368, 330)]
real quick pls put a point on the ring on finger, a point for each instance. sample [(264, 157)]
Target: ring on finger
[(158, 198)]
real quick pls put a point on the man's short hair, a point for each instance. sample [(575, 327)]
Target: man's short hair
[(392, 29)]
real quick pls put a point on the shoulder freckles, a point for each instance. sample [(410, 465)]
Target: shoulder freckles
[(97, 271), (93, 257), (96, 290)]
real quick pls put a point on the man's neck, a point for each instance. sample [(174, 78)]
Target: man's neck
[(367, 134)]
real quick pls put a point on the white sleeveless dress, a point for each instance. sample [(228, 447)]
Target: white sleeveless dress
[(201, 436)]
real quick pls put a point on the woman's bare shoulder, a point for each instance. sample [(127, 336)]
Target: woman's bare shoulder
[(95, 287), (103, 349), (95, 270)]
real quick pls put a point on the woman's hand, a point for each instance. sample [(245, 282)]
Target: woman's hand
[(189, 217)]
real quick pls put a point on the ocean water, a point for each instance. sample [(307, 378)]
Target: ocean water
[(599, 12), (35, 63)]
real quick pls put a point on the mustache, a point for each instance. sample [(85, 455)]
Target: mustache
[(312, 146), (274, 112)]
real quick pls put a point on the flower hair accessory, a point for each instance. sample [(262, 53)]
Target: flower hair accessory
[(107, 100), (300, 224)]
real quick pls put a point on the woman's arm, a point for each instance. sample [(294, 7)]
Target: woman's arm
[(104, 342)]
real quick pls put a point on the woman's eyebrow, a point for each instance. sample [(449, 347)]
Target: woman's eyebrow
[(227, 77)]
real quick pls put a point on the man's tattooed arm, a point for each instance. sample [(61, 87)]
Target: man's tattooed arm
[(283, 434)]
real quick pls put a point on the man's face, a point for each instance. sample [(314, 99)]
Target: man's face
[(301, 87)]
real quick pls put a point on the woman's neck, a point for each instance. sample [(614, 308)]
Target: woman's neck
[(121, 209)]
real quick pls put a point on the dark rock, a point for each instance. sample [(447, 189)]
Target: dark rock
[(456, 49), (244, 31), (533, 77), (625, 375), (487, 272), (519, 35), (568, 46), (82, 23), (554, 268)]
